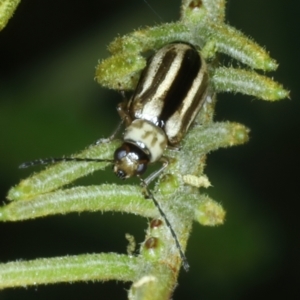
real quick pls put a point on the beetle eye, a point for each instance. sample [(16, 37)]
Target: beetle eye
[(121, 174), (120, 153)]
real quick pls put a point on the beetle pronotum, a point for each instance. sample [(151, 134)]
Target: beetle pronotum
[(170, 93)]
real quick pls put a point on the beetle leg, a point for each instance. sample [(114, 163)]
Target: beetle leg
[(156, 173)]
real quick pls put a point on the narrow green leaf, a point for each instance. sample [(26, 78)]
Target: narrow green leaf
[(68, 269), (105, 197), (7, 9), (60, 174), (234, 43), (248, 83)]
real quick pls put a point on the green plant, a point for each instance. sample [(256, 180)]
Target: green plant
[(154, 272)]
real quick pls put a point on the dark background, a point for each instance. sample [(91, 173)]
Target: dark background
[(51, 106)]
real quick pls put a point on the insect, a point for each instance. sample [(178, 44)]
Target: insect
[(171, 91)]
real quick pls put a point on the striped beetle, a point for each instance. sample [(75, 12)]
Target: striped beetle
[(170, 93)]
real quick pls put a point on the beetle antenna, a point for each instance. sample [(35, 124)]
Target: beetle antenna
[(52, 160), (153, 10), (149, 195)]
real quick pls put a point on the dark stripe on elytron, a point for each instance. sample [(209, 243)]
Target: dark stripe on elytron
[(182, 83), (160, 74), (196, 103)]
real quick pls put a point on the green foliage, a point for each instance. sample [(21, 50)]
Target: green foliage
[(155, 270), (7, 8)]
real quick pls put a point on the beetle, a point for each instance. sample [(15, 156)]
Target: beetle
[(170, 93)]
